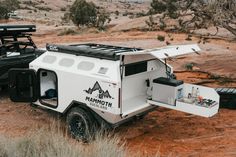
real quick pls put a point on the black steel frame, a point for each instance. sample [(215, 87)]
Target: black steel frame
[(10, 33)]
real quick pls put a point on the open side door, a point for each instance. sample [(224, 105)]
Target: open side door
[(23, 85)]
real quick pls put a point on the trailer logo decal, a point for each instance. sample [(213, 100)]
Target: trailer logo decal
[(101, 94)]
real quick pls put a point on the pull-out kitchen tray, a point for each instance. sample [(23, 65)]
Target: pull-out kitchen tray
[(204, 110)]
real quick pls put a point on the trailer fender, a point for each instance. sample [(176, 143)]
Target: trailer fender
[(101, 122)]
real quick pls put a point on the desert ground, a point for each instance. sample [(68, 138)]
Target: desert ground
[(164, 131)]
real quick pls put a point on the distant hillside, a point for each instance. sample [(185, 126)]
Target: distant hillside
[(51, 11)]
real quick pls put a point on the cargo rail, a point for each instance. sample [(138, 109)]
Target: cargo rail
[(9, 30)]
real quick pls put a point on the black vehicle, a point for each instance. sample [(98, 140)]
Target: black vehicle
[(17, 49)]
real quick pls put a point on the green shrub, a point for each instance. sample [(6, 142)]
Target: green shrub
[(189, 66), (167, 6), (7, 6), (161, 38), (83, 13), (158, 6)]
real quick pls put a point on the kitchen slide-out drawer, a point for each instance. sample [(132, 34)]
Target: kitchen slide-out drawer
[(207, 108)]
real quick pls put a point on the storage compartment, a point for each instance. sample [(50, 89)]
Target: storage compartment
[(205, 105), (167, 90)]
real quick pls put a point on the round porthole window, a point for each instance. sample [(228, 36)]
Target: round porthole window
[(85, 65), (49, 59), (66, 62)]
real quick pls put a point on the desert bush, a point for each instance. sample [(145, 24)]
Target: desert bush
[(7, 6), (83, 13), (196, 14), (157, 6), (167, 6), (161, 38), (189, 66)]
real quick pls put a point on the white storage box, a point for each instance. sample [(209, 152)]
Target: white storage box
[(167, 90)]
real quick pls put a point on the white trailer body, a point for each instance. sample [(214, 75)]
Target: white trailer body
[(115, 87)]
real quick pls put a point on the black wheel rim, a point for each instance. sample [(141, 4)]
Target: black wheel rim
[(78, 127)]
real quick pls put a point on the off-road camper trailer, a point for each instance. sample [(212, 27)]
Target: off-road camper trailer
[(101, 83)]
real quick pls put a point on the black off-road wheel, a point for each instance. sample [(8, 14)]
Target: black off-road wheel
[(81, 124)]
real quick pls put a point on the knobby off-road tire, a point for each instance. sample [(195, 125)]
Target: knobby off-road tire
[(80, 124)]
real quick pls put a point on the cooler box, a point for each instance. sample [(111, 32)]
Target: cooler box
[(167, 90)]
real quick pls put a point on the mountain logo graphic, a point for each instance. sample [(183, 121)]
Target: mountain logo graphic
[(101, 93)]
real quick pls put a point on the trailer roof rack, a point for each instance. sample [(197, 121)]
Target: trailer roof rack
[(13, 30), (92, 50)]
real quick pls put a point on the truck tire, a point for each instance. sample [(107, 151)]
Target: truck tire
[(80, 124)]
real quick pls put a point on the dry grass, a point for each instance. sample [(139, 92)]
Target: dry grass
[(55, 142), (68, 31)]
